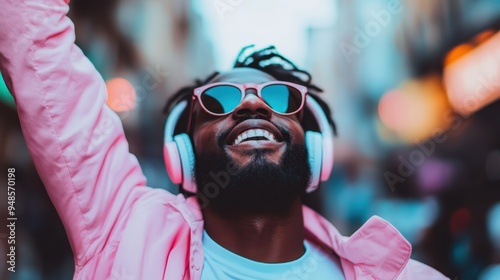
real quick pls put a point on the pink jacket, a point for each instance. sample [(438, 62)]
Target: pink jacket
[(119, 228)]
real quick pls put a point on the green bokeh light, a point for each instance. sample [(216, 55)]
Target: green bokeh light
[(5, 95)]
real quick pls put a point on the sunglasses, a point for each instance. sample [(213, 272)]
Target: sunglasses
[(220, 99)]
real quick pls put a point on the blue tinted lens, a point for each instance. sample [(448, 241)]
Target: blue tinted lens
[(221, 99), (283, 99)]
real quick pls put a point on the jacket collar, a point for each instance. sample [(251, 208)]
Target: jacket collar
[(376, 249)]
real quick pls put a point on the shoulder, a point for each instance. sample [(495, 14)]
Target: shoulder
[(417, 270)]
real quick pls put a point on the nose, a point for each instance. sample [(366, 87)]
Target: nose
[(252, 106)]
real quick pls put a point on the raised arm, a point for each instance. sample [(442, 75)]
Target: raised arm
[(76, 141)]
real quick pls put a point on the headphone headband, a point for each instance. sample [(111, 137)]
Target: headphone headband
[(172, 120)]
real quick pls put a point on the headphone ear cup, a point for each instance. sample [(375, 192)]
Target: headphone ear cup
[(186, 155), (327, 136), (172, 162), (314, 145)]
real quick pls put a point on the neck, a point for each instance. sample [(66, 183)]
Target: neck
[(270, 238)]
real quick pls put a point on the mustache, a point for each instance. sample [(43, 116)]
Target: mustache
[(221, 137)]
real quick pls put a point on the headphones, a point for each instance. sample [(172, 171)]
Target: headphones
[(179, 155)]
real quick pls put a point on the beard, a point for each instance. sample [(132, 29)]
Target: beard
[(260, 187)]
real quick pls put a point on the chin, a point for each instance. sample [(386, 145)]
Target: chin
[(261, 185)]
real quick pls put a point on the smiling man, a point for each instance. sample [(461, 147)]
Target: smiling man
[(256, 219), (258, 131), (253, 162), (267, 146)]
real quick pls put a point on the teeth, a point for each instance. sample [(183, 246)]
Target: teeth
[(254, 133), (269, 135)]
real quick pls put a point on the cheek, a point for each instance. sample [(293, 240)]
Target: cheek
[(205, 138), (201, 130), (297, 133), (293, 126)]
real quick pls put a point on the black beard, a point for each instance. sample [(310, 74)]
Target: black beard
[(261, 187)]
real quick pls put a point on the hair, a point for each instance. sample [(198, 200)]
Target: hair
[(267, 60)]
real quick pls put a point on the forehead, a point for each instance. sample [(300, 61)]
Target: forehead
[(243, 75)]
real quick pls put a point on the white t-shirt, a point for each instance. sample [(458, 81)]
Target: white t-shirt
[(222, 264)]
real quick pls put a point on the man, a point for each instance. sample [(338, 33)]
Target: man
[(255, 227)]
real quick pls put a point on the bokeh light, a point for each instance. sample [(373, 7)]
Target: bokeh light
[(415, 109), (460, 220), (472, 80), (121, 95), (457, 52), (5, 95)]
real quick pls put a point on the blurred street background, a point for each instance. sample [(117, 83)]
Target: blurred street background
[(414, 88)]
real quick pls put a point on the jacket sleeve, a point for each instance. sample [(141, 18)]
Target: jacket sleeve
[(76, 141)]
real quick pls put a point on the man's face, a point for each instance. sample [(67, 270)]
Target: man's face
[(269, 170)]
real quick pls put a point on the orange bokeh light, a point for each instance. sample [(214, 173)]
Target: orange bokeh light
[(415, 109), (457, 52), (483, 36), (393, 108), (121, 95), (472, 81)]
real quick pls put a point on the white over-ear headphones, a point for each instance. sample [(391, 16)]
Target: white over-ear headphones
[(179, 155)]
